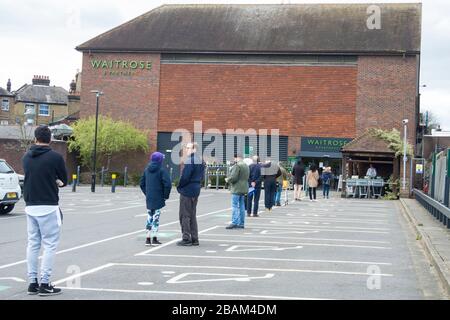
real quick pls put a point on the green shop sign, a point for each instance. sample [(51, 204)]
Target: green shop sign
[(327, 145), (120, 67)]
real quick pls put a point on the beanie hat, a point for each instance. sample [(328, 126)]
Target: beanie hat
[(157, 157)]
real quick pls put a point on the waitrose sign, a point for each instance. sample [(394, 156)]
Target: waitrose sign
[(121, 64), (319, 144), (120, 67)]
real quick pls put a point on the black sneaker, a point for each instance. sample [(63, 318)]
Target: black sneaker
[(33, 288), (148, 242), (195, 243), (185, 243), (155, 241), (256, 215), (46, 289), (231, 226), (240, 227)]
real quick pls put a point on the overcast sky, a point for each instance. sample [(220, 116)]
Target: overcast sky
[(39, 37)]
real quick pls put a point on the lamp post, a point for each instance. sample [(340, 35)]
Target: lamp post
[(405, 158), (94, 156)]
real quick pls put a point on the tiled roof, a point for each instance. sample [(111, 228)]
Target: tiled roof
[(276, 28), (42, 94), (367, 143)]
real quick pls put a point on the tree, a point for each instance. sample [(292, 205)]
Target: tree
[(113, 137), (431, 121), (394, 139), (26, 139)]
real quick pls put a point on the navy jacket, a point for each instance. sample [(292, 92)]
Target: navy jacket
[(326, 177), (156, 185), (191, 177), (42, 167), (255, 174)]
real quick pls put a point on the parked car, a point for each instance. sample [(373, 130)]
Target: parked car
[(21, 180), (10, 191)]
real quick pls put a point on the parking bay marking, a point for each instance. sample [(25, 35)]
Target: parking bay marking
[(109, 239), (236, 248), (230, 277), (301, 244), (275, 236)]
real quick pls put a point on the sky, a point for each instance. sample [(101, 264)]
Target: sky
[(38, 37)]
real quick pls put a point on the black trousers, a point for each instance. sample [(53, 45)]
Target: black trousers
[(312, 193), (270, 188), (253, 198), (188, 218)]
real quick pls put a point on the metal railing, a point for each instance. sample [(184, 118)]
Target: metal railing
[(437, 209)]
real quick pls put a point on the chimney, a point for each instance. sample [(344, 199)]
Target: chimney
[(8, 85), (73, 87), (41, 80)]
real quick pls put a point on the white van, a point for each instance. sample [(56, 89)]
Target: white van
[(10, 191)]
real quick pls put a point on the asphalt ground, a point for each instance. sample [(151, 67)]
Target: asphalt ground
[(329, 249)]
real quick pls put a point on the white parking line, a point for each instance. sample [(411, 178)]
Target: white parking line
[(252, 269), (108, 265), (299, 243), (109, 239), (292, 238), (270, 259), (168, 243), (319, 219), (206, 294), (305, 227)]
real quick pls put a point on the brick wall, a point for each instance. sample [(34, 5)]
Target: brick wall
[(12, 152), (298, 100), (386, 93), (133, 98)]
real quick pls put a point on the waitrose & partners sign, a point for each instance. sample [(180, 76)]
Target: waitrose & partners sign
[(120, 67)]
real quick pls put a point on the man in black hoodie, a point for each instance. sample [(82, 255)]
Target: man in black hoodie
[(45, 171)]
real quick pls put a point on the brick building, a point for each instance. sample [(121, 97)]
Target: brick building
[(320, 73)]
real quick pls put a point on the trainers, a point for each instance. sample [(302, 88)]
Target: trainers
[(195, 243), (231, 226), (46, 289), (185, 243), (278, 204), (148, 242), (156, 241), (33, 288), (256, 215), (240, 227)]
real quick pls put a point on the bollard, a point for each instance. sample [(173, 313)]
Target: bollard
[(102, 177), (206, 177), (113, 183), (78, 174), (74, 183), (125, 177), (217, 179)]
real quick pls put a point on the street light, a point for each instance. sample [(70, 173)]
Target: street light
[(405, 158), (94, 156)]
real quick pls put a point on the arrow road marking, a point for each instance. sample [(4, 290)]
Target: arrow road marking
[(231, 277)]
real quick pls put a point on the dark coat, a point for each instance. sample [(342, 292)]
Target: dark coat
[(298, 172), (191, 177), (156, 185), (326, 178), (255, 175), (42, 167)]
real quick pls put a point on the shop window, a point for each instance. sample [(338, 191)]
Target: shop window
[(5, 105)]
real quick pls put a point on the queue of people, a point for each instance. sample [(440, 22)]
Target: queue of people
[(45, 173)]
